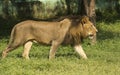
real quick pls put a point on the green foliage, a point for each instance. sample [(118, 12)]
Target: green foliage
[(45, 9), (103, 57), (108, 10)]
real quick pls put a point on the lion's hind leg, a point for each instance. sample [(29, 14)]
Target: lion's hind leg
[(5, 52), (27, 47), (10, 48)]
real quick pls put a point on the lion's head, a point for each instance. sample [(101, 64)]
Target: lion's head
[(88, 29), (81, 28)]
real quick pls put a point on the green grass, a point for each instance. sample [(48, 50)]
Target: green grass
[(103, 58)]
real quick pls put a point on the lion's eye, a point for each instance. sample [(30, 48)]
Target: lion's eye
[(90, 27)]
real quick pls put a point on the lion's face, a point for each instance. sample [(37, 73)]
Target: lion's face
[(89, 30)]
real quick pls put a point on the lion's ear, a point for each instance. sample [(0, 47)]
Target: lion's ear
[(84, 20)]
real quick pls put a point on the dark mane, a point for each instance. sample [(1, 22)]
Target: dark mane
[(75, 33)]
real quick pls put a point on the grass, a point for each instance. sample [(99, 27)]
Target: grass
[(104, 57)]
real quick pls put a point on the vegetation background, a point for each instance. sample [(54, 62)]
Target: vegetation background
[(104, 57)]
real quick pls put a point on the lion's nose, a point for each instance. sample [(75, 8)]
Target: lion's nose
[(90, 34)]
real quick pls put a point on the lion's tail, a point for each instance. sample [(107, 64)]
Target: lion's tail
[(12, 36)]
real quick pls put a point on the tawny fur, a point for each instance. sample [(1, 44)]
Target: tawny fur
[(67, 31)]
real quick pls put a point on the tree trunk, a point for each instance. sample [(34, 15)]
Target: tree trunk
[(86, 7), (89, 7), (92, 11), (92, 15)]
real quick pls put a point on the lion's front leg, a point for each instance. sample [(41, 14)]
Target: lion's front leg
[(53, 49), (80, 51)]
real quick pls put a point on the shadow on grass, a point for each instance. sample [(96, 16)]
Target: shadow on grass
[(107, 34), (107, 16)]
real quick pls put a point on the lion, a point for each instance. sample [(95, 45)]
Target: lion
[(67, 31)]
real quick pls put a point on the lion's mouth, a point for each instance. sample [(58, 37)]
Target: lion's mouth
[(91, 36)]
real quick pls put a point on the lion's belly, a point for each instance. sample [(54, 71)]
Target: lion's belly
[(43, 40)]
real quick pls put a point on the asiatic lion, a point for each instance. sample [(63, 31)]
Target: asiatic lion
[(66, 31)]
